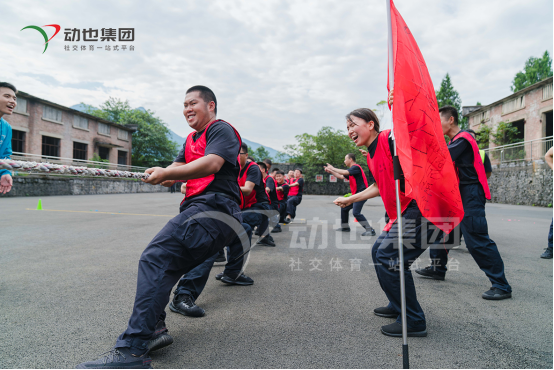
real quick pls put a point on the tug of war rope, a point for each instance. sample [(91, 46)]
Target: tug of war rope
[(11, 165)]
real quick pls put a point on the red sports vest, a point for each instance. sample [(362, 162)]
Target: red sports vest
[(293, 190), (477, 162), (193, 151), (382, 169), (352, 181), (249, 200), (280, 193)]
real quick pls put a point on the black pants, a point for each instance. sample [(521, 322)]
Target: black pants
[(282, 211), (356, 212), (184, 243), (292, 203), (475, 231)]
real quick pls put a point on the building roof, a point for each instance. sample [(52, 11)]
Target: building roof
[(74, 111), (466, 111)]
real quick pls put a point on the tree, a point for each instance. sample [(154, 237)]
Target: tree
[(505, 134), (483, 137), (260, 154), (327, 146), (535, 70), (151, 144), (447, 95)]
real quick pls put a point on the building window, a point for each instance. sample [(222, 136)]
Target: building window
[(103, 128), (122, 134), (50, 146), (121, 157), (80, 151), (21, 106), (483, 116), (80, 122), (18, 141), (104, 152), (52, 114), (513, 105), (547, 92)]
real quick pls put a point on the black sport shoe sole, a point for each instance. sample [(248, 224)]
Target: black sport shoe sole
[(428, 275), (410, 333), (184, 313), (496, 297), (160, 342), (229, 281), (387, 315)]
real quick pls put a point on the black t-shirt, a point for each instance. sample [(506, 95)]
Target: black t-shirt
[(358, 176), (270, 183), (300, 186), (254, 175), (222, 141), (371, 150), (461, 152), (487, 164)]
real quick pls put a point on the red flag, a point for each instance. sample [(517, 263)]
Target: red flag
[(428, 169)]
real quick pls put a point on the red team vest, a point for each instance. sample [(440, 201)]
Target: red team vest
[(193, 151), (477, 162), (280, 193), (294, 190), (382, 169), (352, 181)]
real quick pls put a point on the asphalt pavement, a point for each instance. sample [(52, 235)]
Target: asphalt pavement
[(68, 280)]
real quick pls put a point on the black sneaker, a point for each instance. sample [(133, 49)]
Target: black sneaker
[(221, 257), (160, 338), (547, 253), (219, 276), (277, 229), (345, 229), (395, 330), (430, 272), (240, 280), (184, 304), (496, 294), (266, 241), (386, 312), (118, 358), (369, 232), (288, 220)]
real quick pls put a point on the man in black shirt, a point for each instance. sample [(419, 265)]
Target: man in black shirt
[(282, 195), (296, 187), (270, 189), (358, 183), (210, 168), (474, 224)]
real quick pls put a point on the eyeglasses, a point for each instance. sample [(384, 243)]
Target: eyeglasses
[(243, 153)]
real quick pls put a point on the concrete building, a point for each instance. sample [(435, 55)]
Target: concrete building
[(530, 110), (45, 128)]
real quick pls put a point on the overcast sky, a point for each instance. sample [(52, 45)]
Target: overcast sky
[(278, 68)]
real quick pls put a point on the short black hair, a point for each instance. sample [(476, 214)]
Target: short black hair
[(352, 156), (298, 169), (244, 148), (268, 162), (276, 170), (251, 158), (205, 93), (449, 111), (366, 114), (279, 172), (9, 86), (263, 165)]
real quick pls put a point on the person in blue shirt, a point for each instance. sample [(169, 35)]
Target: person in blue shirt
[(8, 102)]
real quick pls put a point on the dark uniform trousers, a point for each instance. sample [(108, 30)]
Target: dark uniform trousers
[(183, 244), (194, 282), (356, 212), (282, 210), (475, 231), (292, 203), (385, 257)]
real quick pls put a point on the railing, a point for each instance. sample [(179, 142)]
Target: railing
[(75, 162), (525, 151)]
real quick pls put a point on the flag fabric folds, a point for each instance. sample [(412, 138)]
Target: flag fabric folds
[(428, 169)]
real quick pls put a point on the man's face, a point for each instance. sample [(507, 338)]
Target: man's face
[(347, 161), (197, 112), (280, 178), (446, 123), (297, 174), (7, 101), (359, 130), (291, 174), (263, 170), (242, 157)]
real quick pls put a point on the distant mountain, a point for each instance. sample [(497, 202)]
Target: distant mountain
[(181, 140)]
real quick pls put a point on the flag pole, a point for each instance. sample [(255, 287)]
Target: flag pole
[(397, 171)]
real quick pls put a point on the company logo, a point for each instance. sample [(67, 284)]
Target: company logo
[(46, 39)]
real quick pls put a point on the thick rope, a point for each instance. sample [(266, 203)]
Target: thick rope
[(12, 165)]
